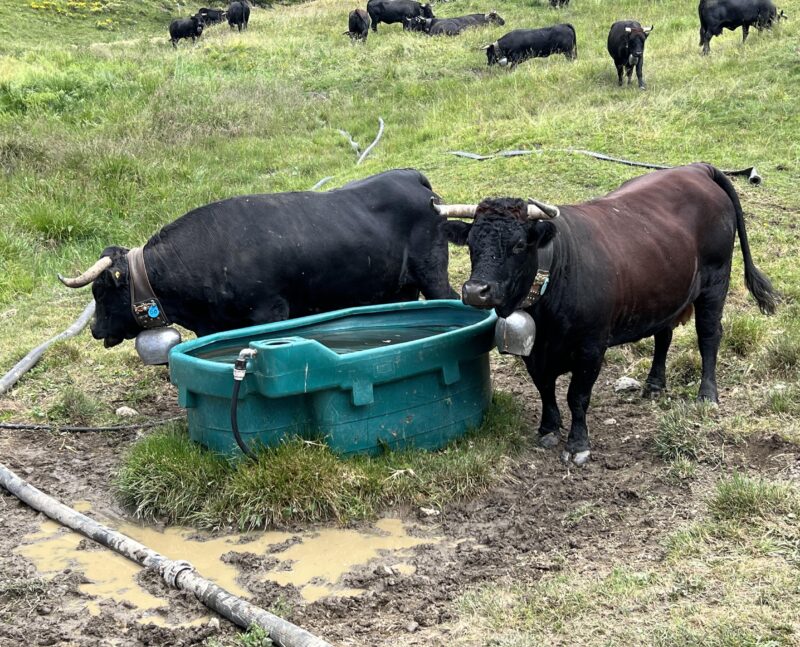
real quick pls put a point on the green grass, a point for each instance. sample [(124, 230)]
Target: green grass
[(728, 579), (107, 134), (167, 477)]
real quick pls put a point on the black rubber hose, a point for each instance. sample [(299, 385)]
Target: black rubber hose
[(33, 426), (235, 422)]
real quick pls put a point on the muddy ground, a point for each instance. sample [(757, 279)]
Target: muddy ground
[(543, 517)]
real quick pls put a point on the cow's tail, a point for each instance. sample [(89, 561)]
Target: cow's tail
[(574, 41), (756, 281)]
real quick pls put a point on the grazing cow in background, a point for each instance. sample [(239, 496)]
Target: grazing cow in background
[(238, 15), (716, 15), (358, 25), (559, 3), (626, 45), (629, 265), (185, 28), (392, 11), (261, 258), (521, 44), (452, 26), (212, 16)]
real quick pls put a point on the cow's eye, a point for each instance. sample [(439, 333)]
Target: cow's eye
[(519, 247)]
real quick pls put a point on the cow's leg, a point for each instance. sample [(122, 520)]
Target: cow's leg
[(174, 43), (619, 74), (708, 323), (550, 422), (584, 375), (639, 72), (657, 379), (628, 72), (745, 32)]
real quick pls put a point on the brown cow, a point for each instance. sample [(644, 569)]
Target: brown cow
[(629, 265)]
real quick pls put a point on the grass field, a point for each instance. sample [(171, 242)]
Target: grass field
[(106, 134)]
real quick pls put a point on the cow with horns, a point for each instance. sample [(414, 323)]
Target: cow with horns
[(262, 258), (632, 264)]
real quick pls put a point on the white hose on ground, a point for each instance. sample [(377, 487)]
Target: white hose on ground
[(372, 145), (176, 573), (29, 361)]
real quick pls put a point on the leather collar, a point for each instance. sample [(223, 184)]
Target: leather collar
[(542, 278), (145, 306)]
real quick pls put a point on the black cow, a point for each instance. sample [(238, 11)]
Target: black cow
[(358, 25), (185, 28), (629, 265), (521, 44), (392, 11), (261, 258), (559, 3), (452, 26), (626, 45), (212, 16), (238, 15), (716, 15)]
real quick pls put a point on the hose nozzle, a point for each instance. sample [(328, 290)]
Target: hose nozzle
[(240, 366)]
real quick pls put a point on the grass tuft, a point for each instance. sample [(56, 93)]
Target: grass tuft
[(742, 498), (74, 407), (782, 356), (744, 333), (166, 476), (683, 433)]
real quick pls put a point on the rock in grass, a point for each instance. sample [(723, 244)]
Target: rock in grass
[(126, 412), (624, 384)]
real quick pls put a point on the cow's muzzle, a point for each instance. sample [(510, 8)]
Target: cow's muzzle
[(478, 293)]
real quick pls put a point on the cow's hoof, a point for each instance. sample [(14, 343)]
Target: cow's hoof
[(548, 441), (651, 392), (641, 87), (579, 458)]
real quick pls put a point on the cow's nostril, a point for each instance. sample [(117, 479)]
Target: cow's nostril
[(476, 293)]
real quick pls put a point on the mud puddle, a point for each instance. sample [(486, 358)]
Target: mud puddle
[(314, 562)]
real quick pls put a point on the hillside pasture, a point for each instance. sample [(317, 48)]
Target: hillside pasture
[(683, 528)]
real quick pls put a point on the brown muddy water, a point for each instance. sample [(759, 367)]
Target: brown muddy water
[(314, 562)]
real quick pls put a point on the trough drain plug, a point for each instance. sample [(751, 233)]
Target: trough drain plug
[(239, 371)]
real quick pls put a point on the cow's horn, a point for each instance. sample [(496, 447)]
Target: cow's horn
[(647, 30), (456, 210), (542, 210), (628, 29), (89, 275)]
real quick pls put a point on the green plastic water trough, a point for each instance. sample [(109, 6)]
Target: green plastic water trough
[(395, 375)]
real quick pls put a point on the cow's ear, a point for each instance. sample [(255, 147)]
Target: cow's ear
[(457, 231), (540, 232)]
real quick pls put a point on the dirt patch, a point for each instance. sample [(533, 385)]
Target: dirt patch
[(543, 517)]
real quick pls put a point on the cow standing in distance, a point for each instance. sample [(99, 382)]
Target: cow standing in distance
[(212, 16), (716, 15), (559, 3), (358, 25), (452, 26), (626, 45), (185, 28), (632, 264), (261, 258), (239, 15), (394, 11), (521, 44)]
